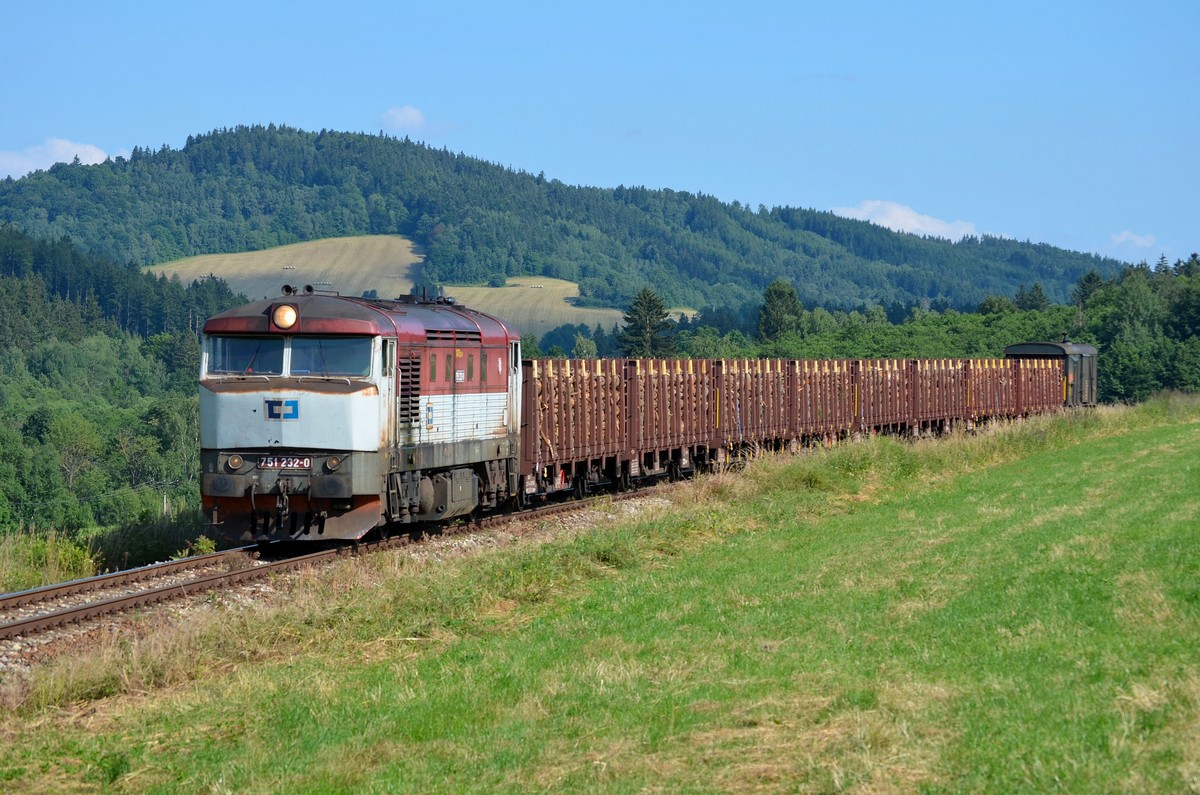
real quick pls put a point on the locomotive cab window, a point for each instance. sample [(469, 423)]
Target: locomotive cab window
[(326, 356), (389, 357), (245, 355)]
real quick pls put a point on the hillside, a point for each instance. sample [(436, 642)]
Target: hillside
[(253, 188)]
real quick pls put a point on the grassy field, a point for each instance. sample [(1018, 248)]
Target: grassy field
[(536, 305), (388, 264), (350, 265), (1010, 612)]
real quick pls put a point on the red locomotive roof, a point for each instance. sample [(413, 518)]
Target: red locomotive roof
[(409, 320)]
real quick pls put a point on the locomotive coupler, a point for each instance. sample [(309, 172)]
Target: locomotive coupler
[(283, 505)]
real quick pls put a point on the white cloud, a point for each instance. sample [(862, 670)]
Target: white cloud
[(405, 118), (1125, 237), (900, 218), (54, 150)]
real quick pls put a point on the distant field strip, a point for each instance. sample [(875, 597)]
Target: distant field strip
[(350, 265), (389, 265), (536, 305)]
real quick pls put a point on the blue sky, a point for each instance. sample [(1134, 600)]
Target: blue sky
[(1070, 123)]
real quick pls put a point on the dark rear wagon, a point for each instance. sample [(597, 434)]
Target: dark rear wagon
[(1078, 367)]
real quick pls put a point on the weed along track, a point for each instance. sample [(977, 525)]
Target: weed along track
[(34, 623), (63, 596)]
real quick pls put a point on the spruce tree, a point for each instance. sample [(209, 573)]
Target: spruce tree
[(781, 311), (1035, 298), (647, 331), (1089, 283)]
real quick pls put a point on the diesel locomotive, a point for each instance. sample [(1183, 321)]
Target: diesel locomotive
[(324, 417)]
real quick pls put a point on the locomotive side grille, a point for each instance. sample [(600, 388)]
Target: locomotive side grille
[(408, 408), (458, 337)]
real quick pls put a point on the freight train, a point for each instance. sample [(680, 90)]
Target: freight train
[(324, 417)]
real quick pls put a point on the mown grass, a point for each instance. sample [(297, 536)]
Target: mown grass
[(1010, 612)]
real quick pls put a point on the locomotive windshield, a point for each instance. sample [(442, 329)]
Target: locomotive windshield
[(331, 356), (317, 356), (245, 355)]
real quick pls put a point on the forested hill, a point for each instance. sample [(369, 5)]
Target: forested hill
[(254, 187)]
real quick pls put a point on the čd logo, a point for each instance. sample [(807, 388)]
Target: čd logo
[(282, 409)]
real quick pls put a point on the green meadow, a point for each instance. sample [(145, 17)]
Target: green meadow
[(1015, 611)]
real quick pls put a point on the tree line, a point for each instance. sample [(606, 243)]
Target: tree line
[(250, 188), (128, 298), (99, 412), (1144, 321)]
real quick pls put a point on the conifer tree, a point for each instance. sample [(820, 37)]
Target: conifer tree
[(781, 311), (1089, 283), (647, 331), (1035, 298)]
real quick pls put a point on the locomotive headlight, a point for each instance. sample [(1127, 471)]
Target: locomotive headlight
[(332, 463), (284, 316), (234, 462)]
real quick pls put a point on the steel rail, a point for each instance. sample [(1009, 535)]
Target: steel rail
[(72, 615), (99, 582)]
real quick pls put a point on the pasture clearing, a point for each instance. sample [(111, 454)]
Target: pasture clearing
[(349, 265), (536, 305), (390, 265)]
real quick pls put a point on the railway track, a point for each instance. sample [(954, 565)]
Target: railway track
[(28, 613), (33, 611)]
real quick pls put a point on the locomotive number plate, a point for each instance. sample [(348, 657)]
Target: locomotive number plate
[(284, 462)]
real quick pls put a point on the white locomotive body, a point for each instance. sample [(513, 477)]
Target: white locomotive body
[(323, 416)]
